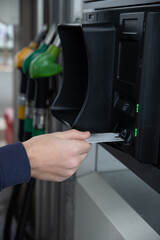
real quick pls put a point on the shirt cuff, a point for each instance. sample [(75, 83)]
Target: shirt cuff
[(14, 165)]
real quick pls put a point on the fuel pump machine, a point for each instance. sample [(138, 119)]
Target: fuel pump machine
[(111, 81)]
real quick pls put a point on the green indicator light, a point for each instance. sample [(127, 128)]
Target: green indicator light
[(137, 109), (135, 133)]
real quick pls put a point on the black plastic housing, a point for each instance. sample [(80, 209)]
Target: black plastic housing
[(137, 86), (111, 79), (84, 101)]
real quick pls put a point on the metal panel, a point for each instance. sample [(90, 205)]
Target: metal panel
[(77, 10), (40, 15), (137, 194), (116, 3), (9, 11), (148, 173), (107, 162), (61, 10), (90, 222), (103, 214)]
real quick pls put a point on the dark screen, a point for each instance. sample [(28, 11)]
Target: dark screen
[(128, 61)]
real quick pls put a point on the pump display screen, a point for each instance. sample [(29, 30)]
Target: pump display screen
[(128, 61)]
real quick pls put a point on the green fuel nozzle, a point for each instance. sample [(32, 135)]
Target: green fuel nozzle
[(19, 58), (31, 84), (45, 64), (43, 47), (41, 68), (28, 60)]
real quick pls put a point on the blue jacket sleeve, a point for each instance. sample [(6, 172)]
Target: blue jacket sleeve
[(14, 165)]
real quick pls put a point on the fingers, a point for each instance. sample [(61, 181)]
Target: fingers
[(59, 174), (75, 134), (63, 153), (80, 147), (75, 163)]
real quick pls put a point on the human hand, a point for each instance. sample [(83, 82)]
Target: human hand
[(56, 156)]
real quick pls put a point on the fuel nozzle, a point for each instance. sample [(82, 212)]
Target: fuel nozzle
[(19, 58), (31, 84), (41, 68), (45, 64), (43, 47), (33, 45)]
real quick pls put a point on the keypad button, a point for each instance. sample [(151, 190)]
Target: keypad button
[(126, 107)]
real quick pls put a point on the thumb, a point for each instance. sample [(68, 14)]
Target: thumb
[(76, 135)]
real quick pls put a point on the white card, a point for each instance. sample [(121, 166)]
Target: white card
[(104, 137)]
